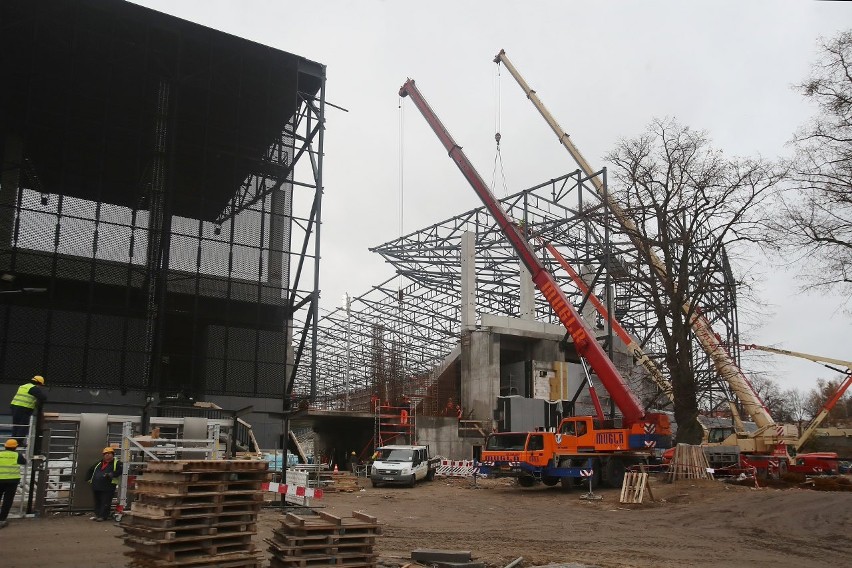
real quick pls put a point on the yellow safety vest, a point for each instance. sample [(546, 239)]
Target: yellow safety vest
[(114, 467), (9, 468), (23, 398)]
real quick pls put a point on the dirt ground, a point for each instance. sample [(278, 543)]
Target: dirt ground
[(690, 523)]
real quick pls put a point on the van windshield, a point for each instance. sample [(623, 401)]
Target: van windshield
[(398, 455), (512, 441)]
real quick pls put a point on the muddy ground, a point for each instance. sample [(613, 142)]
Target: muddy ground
[(690, 523)]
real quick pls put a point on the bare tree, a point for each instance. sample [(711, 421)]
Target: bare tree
[(797, 403), (691, 206), (775, 400), (816, 216), (825, 389)]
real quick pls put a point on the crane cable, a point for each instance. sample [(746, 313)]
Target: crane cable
[(498, 157)]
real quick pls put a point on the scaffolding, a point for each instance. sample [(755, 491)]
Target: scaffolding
[(394, 425)]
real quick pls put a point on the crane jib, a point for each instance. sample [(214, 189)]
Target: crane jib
[(586, 345)]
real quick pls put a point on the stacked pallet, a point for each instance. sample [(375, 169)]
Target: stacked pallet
[(324, 540), (343, 482), (689, 462), (195, 514)]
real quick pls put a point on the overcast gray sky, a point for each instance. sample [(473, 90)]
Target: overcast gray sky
[(604, 69)]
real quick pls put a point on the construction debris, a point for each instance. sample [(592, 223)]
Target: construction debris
[(689, 462), (324, 540), (198, 513), (445, 558)]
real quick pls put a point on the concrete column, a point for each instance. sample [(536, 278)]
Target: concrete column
[(468, 281), (527, 293), (480, 374), (589, 312)]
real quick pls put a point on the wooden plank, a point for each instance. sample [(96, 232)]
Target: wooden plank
[(329, 517)]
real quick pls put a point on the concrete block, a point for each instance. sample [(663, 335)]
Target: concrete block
[(431, 555)]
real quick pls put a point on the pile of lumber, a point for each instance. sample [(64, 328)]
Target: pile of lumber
[(324, 540), (689, 462), (195, 513), (343, 482)]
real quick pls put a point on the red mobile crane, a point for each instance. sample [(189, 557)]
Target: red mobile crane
[(632, 344), (815, 462), (642, 430)]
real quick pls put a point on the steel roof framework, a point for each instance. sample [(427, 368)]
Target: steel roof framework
[(402, 329)]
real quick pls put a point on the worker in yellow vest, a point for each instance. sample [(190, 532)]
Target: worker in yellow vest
[(10, 476), (27, 399)]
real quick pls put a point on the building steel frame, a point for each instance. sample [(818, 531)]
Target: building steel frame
[(161, 188), (393, 339)]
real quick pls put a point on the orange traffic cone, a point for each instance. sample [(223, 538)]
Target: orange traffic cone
[(335, 468)]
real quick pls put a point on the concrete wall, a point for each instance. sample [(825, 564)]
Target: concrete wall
[(441, 434), (480, 363)]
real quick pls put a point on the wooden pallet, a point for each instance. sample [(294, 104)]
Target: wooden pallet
[(229, 466), (634, 487), (231, 560), (138, 519), (194, 510), (195, 514), (176, 533), (324, 540)]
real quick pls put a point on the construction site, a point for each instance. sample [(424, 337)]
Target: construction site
[(160, 253)]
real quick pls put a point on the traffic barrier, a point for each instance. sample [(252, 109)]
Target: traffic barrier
[(460, 468), (293, 490)]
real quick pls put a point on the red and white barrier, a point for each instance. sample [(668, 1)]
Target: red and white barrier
[(461, 468), (292, 490)]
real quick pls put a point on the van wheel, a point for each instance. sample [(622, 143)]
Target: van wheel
[(431, 475), (374, 482), (413, 480)]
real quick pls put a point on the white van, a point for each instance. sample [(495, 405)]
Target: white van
[(402, 464)]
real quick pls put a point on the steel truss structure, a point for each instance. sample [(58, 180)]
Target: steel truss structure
[(392, 339)]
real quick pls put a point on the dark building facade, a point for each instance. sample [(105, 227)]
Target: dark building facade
[(157, 235)]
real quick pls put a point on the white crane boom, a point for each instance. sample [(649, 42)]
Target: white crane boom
[(726, 367)]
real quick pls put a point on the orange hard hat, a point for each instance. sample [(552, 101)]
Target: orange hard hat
[(38, 379), (108, 450), (11, 444)]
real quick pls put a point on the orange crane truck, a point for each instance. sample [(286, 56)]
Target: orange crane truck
[(599, 448), (583, 447)]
